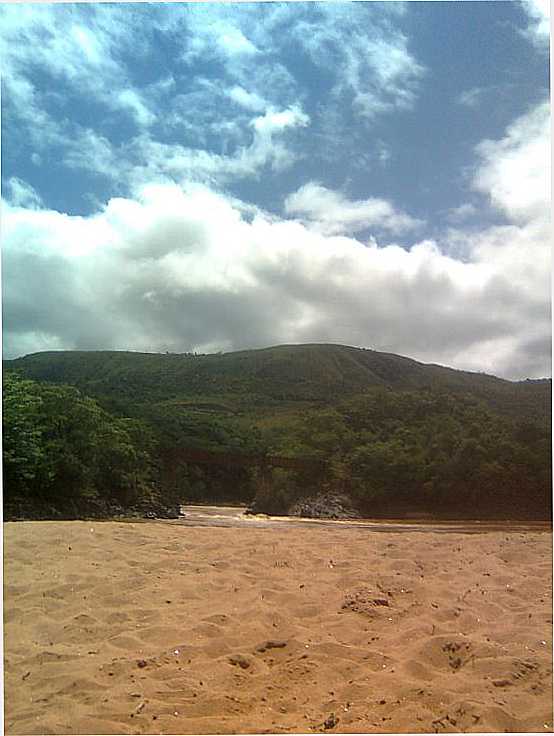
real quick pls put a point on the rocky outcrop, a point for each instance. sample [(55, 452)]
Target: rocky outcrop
[(25, 509), (324, 506)]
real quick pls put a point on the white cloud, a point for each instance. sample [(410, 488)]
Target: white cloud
[(515, 171), (76, 46), (330, 213), (384, 153), (471, 97), (181, 268), (213, 128), (22, 103), (143, 159), (171, 265), (185, 267), (92, 152), (22, 194), (462, 212), (248, 100), (129, 98), (373, 66), (233, 41), (515, 175), (88, 43), (539, 21), (215, 31), (88, 51), (363, 56), (275, 121)]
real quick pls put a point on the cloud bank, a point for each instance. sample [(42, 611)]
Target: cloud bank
[(146, 140), (187, 267)]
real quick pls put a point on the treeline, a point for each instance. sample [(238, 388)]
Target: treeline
[(391, 452), (388, 452), (65, 456)]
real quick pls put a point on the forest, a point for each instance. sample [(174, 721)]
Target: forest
[(409, 445), (65, 456)]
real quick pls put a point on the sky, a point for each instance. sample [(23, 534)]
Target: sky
[(205, 177)]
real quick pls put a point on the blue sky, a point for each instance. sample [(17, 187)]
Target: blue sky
[(219, 176)]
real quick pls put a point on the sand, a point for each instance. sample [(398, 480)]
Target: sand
[(155, 627)]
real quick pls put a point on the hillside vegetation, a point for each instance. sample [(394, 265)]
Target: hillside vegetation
[(393, 435), (267, 377)]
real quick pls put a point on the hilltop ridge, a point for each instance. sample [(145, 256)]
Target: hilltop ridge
[(249, 379)]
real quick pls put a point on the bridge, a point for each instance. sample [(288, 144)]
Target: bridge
[(196, 456)]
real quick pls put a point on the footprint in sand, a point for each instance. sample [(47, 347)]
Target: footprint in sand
[(208, 630), (117, 617), (454, 653), (158, 635), (127, 643), (218, 618)]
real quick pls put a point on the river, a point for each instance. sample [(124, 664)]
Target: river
[(236, 516)]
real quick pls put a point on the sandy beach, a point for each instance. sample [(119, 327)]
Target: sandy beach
[(162, 627)]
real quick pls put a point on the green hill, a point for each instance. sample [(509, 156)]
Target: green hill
[(252, 380), (389, 433)]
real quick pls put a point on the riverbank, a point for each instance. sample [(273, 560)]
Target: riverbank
[(32, 509), (168, 627)]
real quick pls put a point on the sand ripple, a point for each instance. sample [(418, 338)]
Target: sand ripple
[(120, 628)]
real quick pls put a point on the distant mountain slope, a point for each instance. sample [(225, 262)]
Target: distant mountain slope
[(252, 379)]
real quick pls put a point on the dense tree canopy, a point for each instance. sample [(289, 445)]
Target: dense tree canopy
[(430, 451), (63, 450)]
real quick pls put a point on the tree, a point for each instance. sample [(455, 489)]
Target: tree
[(62, 448), (22, 433)]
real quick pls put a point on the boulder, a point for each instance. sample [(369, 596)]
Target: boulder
[(325, 506)]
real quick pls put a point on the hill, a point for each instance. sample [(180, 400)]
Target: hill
[(388, 434), (260, 379)]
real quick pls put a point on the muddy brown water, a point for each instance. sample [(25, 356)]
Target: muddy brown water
[(236, 516)]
